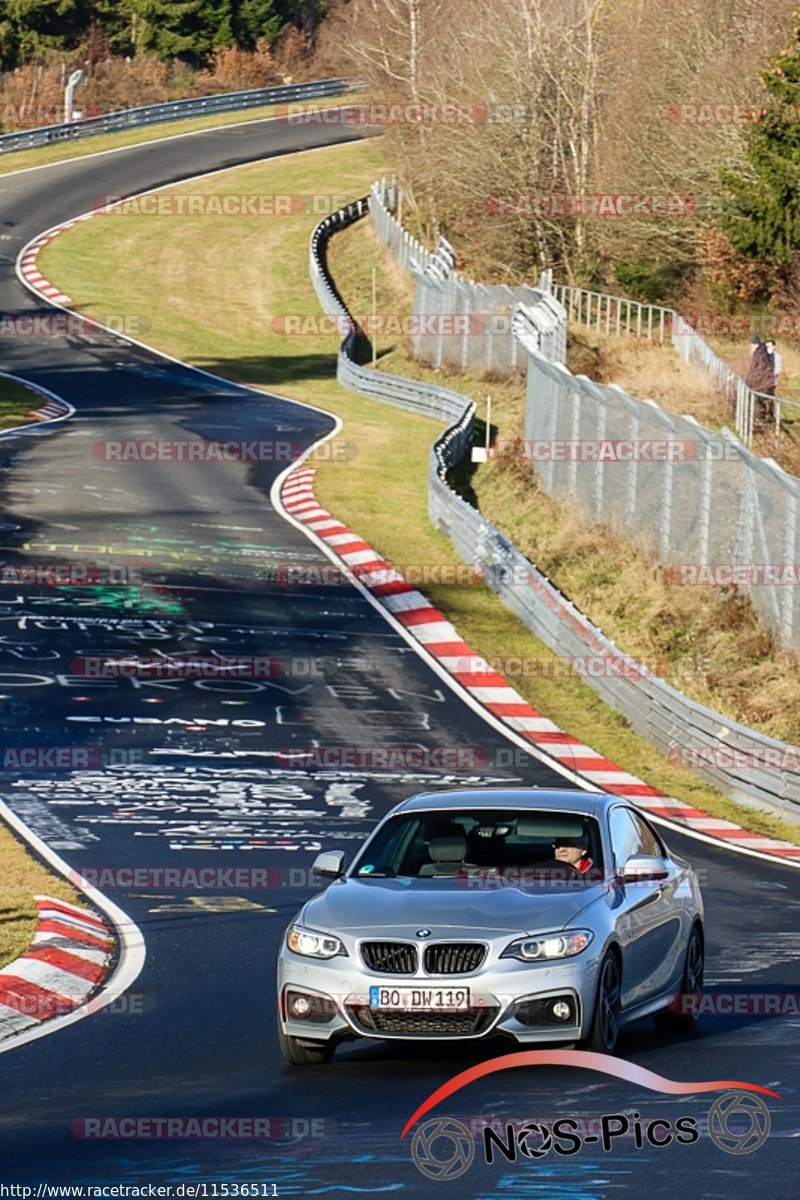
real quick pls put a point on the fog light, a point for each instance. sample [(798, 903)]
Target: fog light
[(300, 1006), (561, 1010)]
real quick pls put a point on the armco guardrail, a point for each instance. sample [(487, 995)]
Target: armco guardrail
[(744, 764), (423, 398), (154, 114), (458, 321), (618, 315)]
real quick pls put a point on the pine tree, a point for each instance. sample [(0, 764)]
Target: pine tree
[(760, 208), (186, 29), (32, 26), (257, 19)]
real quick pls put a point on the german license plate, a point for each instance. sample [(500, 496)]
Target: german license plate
[(419, 999)]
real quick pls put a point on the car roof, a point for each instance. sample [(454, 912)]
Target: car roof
[(544, 799)]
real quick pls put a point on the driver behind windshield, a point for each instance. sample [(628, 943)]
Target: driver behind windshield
[(574, 851)]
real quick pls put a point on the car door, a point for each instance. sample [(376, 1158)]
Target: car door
[(649, 922)]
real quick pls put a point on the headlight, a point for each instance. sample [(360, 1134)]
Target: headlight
[(549, 946), (313, 945)]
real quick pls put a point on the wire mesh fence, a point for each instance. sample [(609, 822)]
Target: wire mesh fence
[(458, 322), (617, 315), (701, 501)]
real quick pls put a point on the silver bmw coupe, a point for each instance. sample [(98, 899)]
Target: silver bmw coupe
[(545, 916)]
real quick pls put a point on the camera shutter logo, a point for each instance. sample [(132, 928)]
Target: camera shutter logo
[(722, 1116), (529, 1134), (443, 1149)]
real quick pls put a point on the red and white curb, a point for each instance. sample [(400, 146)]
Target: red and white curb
[(65, 964), (51, 410), (489, 689), (28, 265)]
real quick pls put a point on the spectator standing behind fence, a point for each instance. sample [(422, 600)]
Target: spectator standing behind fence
[(777, 362), (761, 378)]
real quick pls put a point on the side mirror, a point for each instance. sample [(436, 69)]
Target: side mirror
[(330, 864), (644, 868)]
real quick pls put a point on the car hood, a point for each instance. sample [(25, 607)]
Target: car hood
[(404, 905)]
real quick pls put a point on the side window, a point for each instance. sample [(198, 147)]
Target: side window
[(625, 836), (651, 843)]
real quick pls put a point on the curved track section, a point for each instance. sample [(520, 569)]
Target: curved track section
[(193, 818)]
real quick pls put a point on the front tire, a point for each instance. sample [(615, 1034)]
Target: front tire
[(304, 1053), (670, 1021), (604, 1031)]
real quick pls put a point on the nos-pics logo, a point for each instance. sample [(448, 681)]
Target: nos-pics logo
[(444, 1148)]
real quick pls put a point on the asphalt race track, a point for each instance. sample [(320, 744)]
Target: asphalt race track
[(195, 1036)]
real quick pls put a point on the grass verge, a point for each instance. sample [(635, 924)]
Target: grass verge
[(22, 877), (216, 289), (16, 401)]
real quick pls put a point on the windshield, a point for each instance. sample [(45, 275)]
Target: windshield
[(521, 847)]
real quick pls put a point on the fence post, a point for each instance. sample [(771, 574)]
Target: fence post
[(465, 303), (633, 474), (743, 549), (706, 490), (438, 290), (576, 428), (790, 556)]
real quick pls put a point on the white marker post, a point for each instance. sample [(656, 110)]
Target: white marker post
[(480, 454), (69, 92), (374, 317)]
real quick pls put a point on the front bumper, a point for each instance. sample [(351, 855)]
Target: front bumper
[(506, 998)]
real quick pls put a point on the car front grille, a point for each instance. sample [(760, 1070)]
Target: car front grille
[(441, 1024), (390, 958), (453, 958)]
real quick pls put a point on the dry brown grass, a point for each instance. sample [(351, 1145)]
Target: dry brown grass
[(648, 371), (651, 371)]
